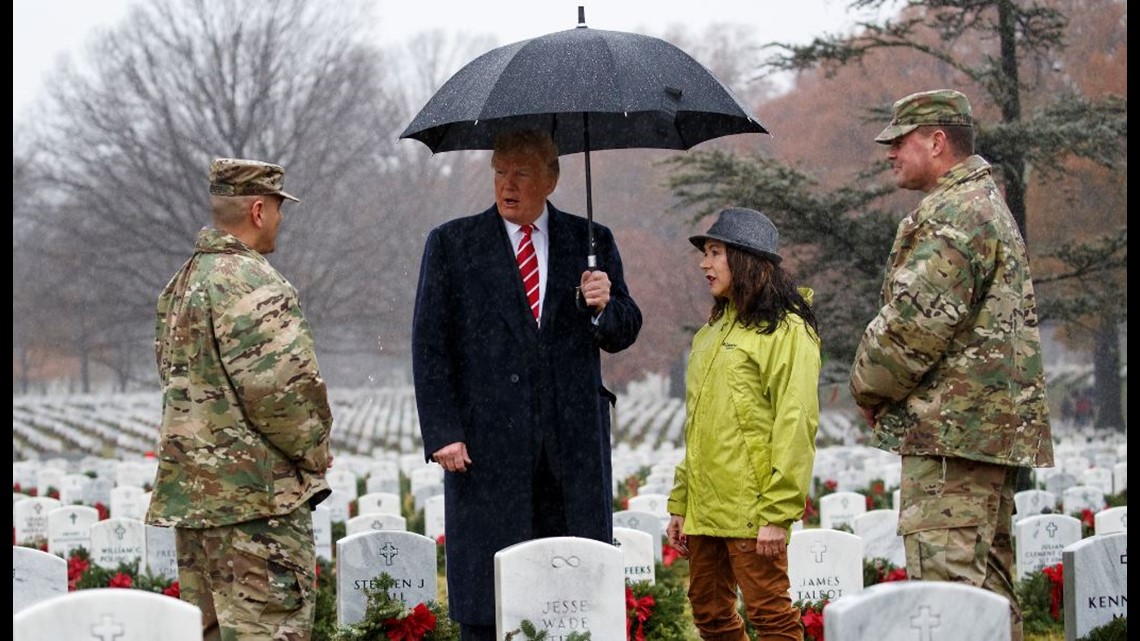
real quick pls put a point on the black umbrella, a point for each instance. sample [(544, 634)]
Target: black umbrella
[(591, 89)]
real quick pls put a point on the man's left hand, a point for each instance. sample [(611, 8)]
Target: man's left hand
[(595, 289)]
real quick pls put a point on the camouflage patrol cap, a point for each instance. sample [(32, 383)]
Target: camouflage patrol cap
[(239, 177), (938, 107)]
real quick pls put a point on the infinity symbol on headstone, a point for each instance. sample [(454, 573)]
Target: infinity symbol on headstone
[(560, 561)]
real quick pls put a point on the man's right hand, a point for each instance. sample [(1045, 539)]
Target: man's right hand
[(453, 457)]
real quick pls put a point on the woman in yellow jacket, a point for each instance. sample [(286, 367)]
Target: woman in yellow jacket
[(752, 410)]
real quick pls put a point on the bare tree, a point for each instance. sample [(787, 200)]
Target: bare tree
[(130, 133)]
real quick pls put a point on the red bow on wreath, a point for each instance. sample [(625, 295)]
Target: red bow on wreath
[(1056, 576), (412, 627), (637, 612)]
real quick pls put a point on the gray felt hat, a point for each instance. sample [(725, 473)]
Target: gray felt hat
[(745, 229)]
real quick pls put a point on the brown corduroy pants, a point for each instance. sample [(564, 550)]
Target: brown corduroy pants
[(717, 566)]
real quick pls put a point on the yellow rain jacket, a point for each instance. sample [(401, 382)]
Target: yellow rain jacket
[(752, 411)]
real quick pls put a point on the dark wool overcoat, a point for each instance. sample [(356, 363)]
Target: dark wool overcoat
[(487, 374)]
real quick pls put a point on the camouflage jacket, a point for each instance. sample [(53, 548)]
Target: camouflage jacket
[(245, 413), (953, 358)]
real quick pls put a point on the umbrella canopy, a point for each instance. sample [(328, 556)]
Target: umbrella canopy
[(591, 89)]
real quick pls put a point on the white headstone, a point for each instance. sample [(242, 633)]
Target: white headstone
[(655, 488), (374, 502), (161, 555), (1032, 503), (879, 531), (99, 491), (322, 532), (375, 521), (36, 576), (1120, 477), (127, 502), (342, 481), (31, 518), (1096, 583), (646, 522), (422, 494), (1098, 477), (48, 478), (133, 473), (637, 548), (1058, 482), (69, 527), (409, 558), (824, 564), (383, 476), (1078, 498), (73, 488), (434, 517), (337, 503), (1040, 540), (841, 508), (562, 585), (24, 474), (656, 504), (117, 540), (918, 611), (109, 613), (1112, 520), (427, 475)]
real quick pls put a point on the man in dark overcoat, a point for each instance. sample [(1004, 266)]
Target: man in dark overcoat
[(509, 323)]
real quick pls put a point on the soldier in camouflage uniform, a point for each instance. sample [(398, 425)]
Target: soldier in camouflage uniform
[(949, 373), (245, 420)]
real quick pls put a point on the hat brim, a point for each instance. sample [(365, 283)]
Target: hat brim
[(699, 242), (894, 132), (288, 196)]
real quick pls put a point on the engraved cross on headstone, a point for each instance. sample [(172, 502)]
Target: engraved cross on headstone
[(389, 552), (818, 548), (74, 517), (1052, 529), (925, 622), (120, 531), (107, 629)]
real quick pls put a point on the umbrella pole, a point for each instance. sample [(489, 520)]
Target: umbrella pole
[(591, 257)]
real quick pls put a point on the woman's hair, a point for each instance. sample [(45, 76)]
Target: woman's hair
[(762, 292)]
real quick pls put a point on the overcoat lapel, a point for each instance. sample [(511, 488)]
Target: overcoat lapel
[(492, 260), (562, 272)]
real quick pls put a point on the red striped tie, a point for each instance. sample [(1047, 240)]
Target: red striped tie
[(528, 268)]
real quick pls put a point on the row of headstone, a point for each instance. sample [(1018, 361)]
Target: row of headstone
[(569, 603), (1112, 480), (123, 500), (108, 614), (565, 585), (109, 542), (1095, 592), (63, 474)]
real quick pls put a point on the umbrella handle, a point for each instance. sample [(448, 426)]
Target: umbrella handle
[(591, 257)]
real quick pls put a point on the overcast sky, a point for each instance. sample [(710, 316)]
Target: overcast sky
[(42, 30)]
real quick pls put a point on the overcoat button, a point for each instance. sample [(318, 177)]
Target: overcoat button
[(514, 378)]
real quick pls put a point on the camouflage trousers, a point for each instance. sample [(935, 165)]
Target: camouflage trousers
[(955, 519), (252, 580)]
